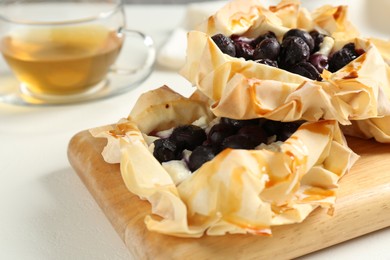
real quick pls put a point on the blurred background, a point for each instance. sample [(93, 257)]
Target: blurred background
[(162, 1)]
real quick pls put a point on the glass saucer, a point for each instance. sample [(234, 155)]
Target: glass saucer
[(115, 84)]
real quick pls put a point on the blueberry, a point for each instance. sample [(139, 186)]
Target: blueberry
[(307, 70), (272, 127), (219, 132), (342, 57), (188, 136), (272, 63), (225, 44), (282, 130), (350, 46), (244, 50), (238, 38), (238, 142), (262, 37), (199, 156), (166, 150), (318, 39), (301, 34), (267, 49), (294, 50), (319, 61), (287, 129), (239, 123), (256, 134)]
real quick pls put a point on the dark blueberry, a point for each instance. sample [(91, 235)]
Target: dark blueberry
[(262, 121), (237, 142), (256, 134), (350, 46), (219, 132), (244, 50), (238, 38), (287, 129), (166, 150), (272, 127), (262, 37), (272, 63), (318, 39), (359, 52), (188, 136), (239, 123), (267, 49), (307, 70), (199, 156), (319, 61), (225, 44), (294, 50), (301, 34), (342, 57)]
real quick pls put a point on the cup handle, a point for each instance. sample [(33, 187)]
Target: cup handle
[(150, 58)]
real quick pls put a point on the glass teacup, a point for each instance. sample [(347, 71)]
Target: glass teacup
[(62, 51)]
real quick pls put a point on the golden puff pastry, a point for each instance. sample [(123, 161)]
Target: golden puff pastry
[(245, 89), (251, 18), (239, 191), (377, 128)]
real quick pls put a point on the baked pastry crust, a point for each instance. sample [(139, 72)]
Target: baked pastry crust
[(358, 91), (249, 191), (239, 191)]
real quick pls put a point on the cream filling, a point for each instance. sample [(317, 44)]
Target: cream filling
[(326, 46)]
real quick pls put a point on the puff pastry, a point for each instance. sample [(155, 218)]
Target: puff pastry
[(246, 89), (239, 191), (249, 191)]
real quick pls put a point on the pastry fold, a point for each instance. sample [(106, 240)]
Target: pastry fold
[(377, 128), (245, 89), (239, 191)]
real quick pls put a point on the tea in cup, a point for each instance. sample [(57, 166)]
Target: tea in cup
[(58, 58)]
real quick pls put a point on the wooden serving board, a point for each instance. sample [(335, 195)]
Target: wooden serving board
[(363, 206)]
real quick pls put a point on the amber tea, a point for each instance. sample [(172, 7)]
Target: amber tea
[(61, 60)]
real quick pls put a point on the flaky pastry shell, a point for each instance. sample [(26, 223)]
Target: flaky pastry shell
[(246, 89), (239, 191), (377, 128)]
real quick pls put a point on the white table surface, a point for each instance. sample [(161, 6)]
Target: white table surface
[(46, 211)]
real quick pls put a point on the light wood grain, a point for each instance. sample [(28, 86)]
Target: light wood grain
[(363, 206)]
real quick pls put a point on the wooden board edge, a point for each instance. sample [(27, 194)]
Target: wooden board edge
[(79, 151)]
